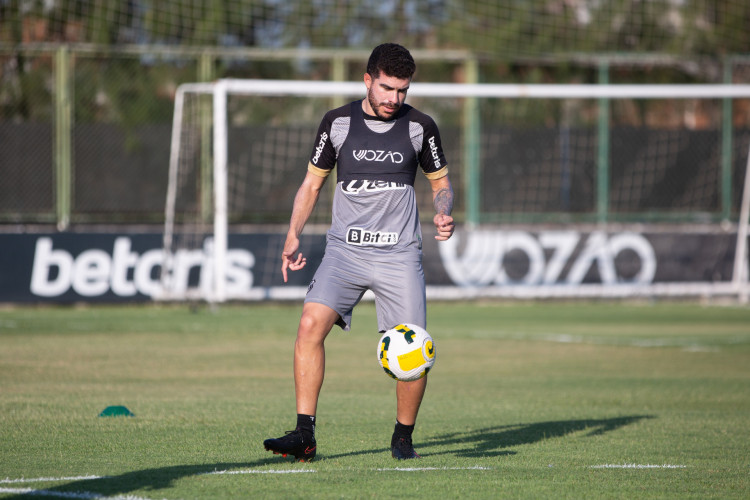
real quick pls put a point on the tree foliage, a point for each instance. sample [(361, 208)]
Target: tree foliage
[(503, 29)]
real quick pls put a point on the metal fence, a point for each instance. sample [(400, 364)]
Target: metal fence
[(84, 134)]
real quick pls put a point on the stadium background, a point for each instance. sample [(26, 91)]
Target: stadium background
[(87, 95)]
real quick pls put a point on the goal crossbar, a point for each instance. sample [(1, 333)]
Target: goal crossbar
[(540, 91)]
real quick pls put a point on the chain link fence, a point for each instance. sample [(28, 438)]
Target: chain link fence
[(85, 134)]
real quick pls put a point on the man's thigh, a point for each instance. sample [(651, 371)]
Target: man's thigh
[(399, 289), (339, 283)]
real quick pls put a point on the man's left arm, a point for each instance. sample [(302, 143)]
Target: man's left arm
[(434, 167), (442, 199)]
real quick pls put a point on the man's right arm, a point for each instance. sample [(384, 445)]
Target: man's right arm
[(304, 202)]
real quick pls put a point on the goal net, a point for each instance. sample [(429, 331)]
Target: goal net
[(562, 190)]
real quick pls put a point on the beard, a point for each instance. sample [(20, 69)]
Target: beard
[(379, 108)]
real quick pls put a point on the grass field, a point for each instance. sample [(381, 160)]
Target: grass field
[(526, 400)]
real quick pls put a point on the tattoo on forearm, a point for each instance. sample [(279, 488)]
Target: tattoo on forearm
[(444, 201)]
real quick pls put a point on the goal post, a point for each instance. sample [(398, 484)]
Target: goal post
[(210, 236), (740, 268)]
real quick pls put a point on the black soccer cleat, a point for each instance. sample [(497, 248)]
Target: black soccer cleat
[(298, 443), (402, 449)]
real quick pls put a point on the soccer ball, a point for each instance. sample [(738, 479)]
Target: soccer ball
[(406, 352)]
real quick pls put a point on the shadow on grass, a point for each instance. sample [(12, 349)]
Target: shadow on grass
[(124, 484), (487, 442), (495, 441)]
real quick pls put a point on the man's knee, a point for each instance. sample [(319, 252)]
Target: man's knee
[(310, 328), (315, 323)]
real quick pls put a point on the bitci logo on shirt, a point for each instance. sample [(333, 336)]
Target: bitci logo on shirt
[(362, 237)]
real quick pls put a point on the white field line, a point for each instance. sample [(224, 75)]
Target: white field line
[(638, 466), (82, 495), (48, 493), (395, 469), (86, 495), (49, 479), (223, 472), (564, 338), (254, 471), (421, 469)]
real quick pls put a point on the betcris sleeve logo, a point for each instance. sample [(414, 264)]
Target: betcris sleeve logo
[(434, 151), (319, 148)]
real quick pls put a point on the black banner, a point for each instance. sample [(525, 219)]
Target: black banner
[(115, 267)]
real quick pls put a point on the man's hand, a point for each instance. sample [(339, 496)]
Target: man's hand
[(444, 225), (304, 201), (287, 257)]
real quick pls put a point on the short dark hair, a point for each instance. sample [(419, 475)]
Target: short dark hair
[(391, 59)]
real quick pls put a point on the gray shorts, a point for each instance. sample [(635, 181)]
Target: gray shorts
[(342, 278)]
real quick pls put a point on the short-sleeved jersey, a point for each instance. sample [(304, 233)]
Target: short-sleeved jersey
[(374, 207)]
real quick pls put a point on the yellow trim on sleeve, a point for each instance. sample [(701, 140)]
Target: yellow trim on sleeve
[(439, 174), (320, 172)]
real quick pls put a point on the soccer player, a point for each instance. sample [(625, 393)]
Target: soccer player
[(375, 238)]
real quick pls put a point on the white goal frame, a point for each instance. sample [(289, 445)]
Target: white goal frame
[(220, 89)]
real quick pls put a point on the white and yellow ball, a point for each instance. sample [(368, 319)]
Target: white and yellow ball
[(406, 352)]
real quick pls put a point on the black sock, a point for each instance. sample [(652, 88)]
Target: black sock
[(306, 423), (402, 431)]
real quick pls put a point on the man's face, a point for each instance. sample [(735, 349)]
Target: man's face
[(385, 95)]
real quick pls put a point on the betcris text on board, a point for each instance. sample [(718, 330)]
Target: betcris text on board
[(126, 273)]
